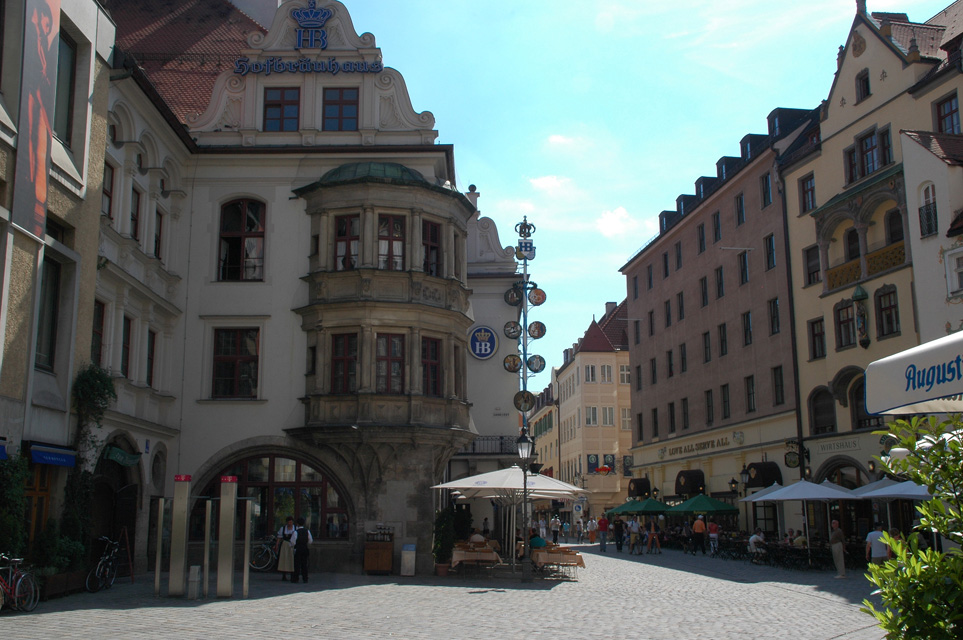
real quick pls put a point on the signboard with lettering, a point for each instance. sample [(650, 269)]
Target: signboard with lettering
[(482, 342)]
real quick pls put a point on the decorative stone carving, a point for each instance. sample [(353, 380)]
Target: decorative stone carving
[(390, 116), (231, 115)]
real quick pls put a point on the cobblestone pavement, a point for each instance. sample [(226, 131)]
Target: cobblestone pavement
[(641, 597)]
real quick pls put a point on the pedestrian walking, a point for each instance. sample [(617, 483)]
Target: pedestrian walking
[(837, 543), (653, 530), (877, 551), (634, 530), (603, 527), (713, 536), (566, 529), (556, 526), (284, 549), (593, 528), (618, 533), (300, 540), (699, 535), (579, 530)]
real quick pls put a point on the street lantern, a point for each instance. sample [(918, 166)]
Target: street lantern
[(524, 447), (744, 475), (733, 485)]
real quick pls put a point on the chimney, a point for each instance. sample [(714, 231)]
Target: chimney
[(914, 51), (609, 308), (886, 28), (861, 7)]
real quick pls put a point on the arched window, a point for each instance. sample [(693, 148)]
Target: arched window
[(822, 412), (280, 487), (894, 227), (857, 402), (241, 249), (852, 245)]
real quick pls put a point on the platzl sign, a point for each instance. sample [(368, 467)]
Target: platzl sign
[(309, 34)]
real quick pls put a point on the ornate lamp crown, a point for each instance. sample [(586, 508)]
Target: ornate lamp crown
[(311, 17)]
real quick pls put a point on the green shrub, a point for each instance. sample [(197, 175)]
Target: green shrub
[(444, 541), (922, 588), (13, 505)]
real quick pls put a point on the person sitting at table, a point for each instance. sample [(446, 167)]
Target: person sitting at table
[(800, 540), (536, 541), (476, 537), (790, 536), (757, 545)]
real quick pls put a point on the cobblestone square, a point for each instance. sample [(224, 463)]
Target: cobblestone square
[(664, 596)]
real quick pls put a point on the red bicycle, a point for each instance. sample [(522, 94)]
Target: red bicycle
[(18, 588)]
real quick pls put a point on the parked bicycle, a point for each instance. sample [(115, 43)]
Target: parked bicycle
[(18, 588), (102, 576), (264, 555)]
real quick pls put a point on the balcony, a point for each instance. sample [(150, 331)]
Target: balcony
[(492, 446), (877, 262)]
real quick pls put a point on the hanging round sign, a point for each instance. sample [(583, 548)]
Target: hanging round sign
[(536, 364), (524, 400), (482, 342), (513, 296), (512, 363), (512, 329), (536, 329), (536, 296)]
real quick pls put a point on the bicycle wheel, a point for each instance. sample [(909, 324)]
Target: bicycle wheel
[(27, 593), (262, 558), (110, 574), (94, 581)]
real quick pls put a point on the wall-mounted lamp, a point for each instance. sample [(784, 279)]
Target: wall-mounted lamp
[(872, 466)]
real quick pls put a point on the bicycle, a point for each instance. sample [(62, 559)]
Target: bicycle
[(18, 588), (263, 556), (102, 576)]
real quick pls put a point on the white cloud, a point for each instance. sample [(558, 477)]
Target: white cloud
[(616, 223), (560, 140)]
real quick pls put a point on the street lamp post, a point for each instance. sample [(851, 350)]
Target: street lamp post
[(525, 453), (744, 476)]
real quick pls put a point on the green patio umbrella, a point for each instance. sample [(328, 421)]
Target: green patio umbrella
[(649, 506), (702, 504)]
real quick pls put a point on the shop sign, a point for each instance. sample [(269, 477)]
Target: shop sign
[(309, 34), (851, 444), (482, 342), (699, 447)]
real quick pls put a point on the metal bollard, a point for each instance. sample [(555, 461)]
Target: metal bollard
[(193, 581)]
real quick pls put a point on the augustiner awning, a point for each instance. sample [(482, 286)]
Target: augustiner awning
[(763, 474), (690, 482), (924, 379), (52, 454)]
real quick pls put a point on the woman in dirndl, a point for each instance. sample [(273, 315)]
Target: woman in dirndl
[(284, 549)]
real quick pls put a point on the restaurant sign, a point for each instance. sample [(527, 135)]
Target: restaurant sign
[(851, 444), (696, 447), (309, 34)]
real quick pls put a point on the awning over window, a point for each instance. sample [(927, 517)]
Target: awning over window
[(639, 488), (763, 474), (52, 454), (690, 482)]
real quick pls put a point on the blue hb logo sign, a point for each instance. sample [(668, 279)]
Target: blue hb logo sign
[(483, 342)]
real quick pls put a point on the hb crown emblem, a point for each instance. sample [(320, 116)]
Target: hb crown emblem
[(311, 17), (483, 335)]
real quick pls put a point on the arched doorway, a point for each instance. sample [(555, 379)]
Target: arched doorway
[(115, 494), (281, 485)]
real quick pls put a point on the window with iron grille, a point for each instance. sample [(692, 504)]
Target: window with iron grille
[(928, 218)]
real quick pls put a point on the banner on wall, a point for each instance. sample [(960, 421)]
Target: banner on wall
[(41, 52)]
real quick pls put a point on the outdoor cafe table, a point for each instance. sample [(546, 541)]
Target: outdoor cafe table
[(558, 556), (478, 555)]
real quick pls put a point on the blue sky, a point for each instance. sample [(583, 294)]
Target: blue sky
[(592, 117)]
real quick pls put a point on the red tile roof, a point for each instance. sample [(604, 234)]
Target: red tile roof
[(608, 335), (946, 147), (182, 45)]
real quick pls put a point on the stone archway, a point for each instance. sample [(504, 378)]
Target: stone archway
[(116, 493), (855, 516)]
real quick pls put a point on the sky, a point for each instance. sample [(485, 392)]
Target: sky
[(590, 118)]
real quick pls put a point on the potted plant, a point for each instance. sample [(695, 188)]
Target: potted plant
[(444, 539)]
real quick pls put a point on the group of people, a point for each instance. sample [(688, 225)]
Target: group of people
[(292, 548)]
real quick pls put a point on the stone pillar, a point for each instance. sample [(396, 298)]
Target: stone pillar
[(369, 239), (416, 248), (366, 360), (414, 368)]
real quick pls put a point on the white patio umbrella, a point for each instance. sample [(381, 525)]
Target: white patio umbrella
[(762, 493), (924, 379), (508, 480), (873, 486), (908, 490)]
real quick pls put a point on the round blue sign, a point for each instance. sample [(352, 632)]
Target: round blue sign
[(482, 342)]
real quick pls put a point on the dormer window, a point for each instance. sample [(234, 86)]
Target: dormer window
[(862, 85)]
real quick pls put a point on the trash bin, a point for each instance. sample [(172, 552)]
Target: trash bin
[(408, 560)]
